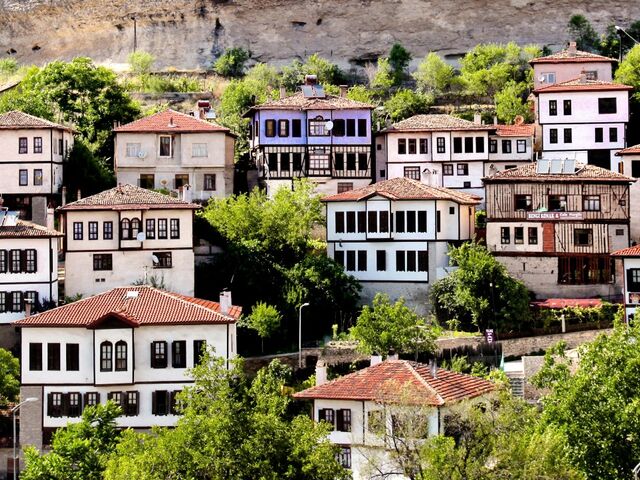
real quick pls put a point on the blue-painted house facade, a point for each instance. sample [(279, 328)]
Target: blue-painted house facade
[(326, 138)]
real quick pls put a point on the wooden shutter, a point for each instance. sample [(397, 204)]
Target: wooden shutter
[(65, 404), (23, 260), (35, 260), (50, 405), (154, 403)]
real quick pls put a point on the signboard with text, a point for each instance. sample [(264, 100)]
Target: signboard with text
[(555, 216)]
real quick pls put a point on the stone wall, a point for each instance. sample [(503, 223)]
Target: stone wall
[(31, 417)]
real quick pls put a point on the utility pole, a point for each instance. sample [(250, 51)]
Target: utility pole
[(135, 34)]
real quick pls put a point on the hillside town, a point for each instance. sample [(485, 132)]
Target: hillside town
[(311, 277)]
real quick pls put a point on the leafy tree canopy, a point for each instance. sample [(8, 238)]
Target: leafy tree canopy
[(406, 103), (328, 73), (434, 75), (399, 59), (84, 171), (232, 62), (629, 71), (140, 62), (583, 33), (9, 377), (511, 102)]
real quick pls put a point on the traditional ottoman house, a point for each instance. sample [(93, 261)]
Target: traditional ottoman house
[(177, 152), (393, 236), (315, 135), (28, 267), (32, 152), (631, 267), (128, 235), (554, 224), (510, 146), (630, 165), (394, 399), (132, 345)]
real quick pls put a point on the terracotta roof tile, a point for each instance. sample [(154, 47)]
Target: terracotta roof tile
[(569, 55), (16, 120), (435, 122), (524, 130), (633, 150), (402, 188), (553, 303), (161, 121), (27, 230), (583, 172), (401, 381), (581, 84), (627, 252), (151, 306), (127, 197), (298, 101)]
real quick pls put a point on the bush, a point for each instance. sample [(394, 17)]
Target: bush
[(140, 62), (232, 62)]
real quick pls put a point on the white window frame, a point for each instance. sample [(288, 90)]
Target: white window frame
[(549, 77), (170, 146)]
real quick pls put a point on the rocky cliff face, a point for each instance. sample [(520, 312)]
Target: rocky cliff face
[(189, 34)]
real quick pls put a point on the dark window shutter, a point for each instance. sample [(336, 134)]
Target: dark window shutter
[(35, 260), (340, 420), (23, 260), (154, 403), (85, 400), (322, 414), (50, 405), (65, 404), (137, 409), (153, 358)]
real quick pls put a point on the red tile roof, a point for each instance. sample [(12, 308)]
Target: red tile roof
[(16, 120), (633, 150), (436, 123), (402, 188), (151, 306), (554, 303), (401, 381), (27, 230), (298, 101), (524, 130), (170, 121), (627, 252), (528, 172), (581, 84), (571, 55), (127, 197)]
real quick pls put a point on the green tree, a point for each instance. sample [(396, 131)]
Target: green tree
[(9, 377), (264, 319), (328, 73), (231, 429), (84, 171), (610, 41), (596, 403), (582, 32), (232, 62), (629, 72), (434, 75), (511, 101), (399, 59), (406, 103), (140, 63), (385, 327), (383, 79), (8, 66), (480, 292), (80, 450)]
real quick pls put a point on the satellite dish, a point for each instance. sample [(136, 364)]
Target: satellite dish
[(141, 237), (329, 125), (541, 78), (142, 154), (155, 260)]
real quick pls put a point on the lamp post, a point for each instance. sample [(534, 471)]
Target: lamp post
[(620, 31), (306, 304), (13, 412)]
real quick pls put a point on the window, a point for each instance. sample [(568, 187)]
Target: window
[(518, 235), (339, 219), (54, 404), (506, 146), (147, 180), (199, 347), (162, 228), (599, 134), (30, 260), (462, 169), (373, 222), (338, 128), (23, 145), (381, 260), (15, 261), (533, 235), (479, 144), (180, 180), (93, 230), (557, 203), (424, 146), (107, 230), (16, 302), (607, 105), (317, 127), (452, 210), (326, 415), (150, 228), (344, 456), (37, 144), (521, 146), (159, 354), (566, 107), (73, 357), (635, 168), (115, 397), (351, 260), (345, 187), (591, 203), (77, 230), (35, 356), (412, 146), (363, 161), (447, 169), (283, 128), (209, 181), (411, 221), (199, 150), (400, 222), (591, 75), (422, 221), (160, 403), (584, 270), (440, 147), (583, 237), (179, 354), (74, 406), (174, 228), (402, 146), (553, 135), (3, 261), (121, 356), (633, 280), (130, 407), (362, 260), (493, 145), (619, 232), (125, 229), (548, 77), (468, 145), (133, 149), (523, 203), (3, 302), (106, 356), (351, 127), (567, 135), (339, 161), (296, 128), (60, 146), (505, 235), (351, 222), (165, 146), (164, 260), (343, 420), (362, 127), (91, 399), (30, 297), (412, 172), (23, 177), (37, 176), (270, 128), (613, 134), (457, 145), (400, 261), (553, 107)]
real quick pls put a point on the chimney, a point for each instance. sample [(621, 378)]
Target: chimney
[(433, 366), (495, 119), (375, 359), (283, 92), (50, 222), (572, 48), (477, 118), (310, 79), (225, 302), (64, 196), (343, 90), (392, 356), (78, 195), (27, 309), (321, 372)]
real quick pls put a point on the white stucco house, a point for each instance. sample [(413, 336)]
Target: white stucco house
[(132, 345), (631, 267), (630, 165), (28, 266), (177, 152), (393, 235), (32, 153), (128, 235), (370, 407)]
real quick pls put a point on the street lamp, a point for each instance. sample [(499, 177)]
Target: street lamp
[(620, 31), (13, 412), (300, 333)]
